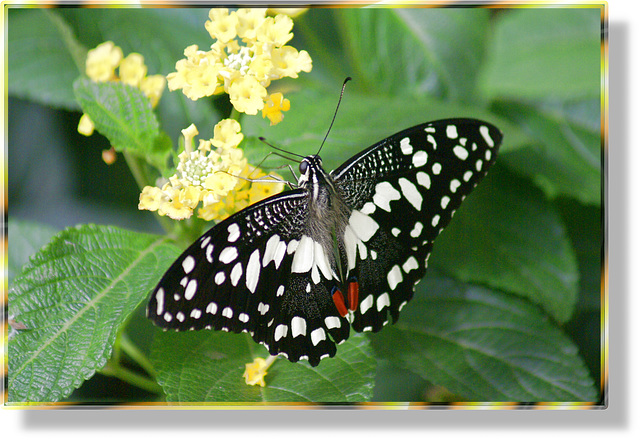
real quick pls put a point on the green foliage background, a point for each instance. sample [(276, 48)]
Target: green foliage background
[(510, 309)]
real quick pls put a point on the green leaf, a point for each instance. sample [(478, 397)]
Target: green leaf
[(123, 114), (566, 157), (485, 345), (506, 235), (208, 366), (426, 50), (362, 121), (25, 238), (545, 52), (43, 57), (68, 303)]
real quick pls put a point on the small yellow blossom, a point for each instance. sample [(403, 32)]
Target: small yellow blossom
[(152, 86), (274, 106), (102, 62), (215, 175), (132, 69), (247, 95), (253, 186), (255, 372), (85, 125), (248, 53)]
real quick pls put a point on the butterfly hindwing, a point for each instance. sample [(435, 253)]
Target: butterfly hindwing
[(238, 277), (408, 187)]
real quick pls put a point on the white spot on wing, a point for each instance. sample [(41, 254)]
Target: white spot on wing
[(234, 232), (366, 303), (394, 277), (298, 327), (410, 264), (228, 255), (332, 322), (159, 301), (236, 273), (419, 158), (303, 257), (423, 179), (417, 230), (405, 146), (190, 290), (363, 226), (317, 335), (452, 132), (253, 271), (461, 152), (280, 332), (484, 131), (188, 264), (411, 193), (385, 193), (382, 301)]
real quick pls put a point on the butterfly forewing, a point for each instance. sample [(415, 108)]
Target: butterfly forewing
[(346, 249), (408, 187)]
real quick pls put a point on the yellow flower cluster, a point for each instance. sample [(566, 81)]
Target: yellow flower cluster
[(101, 66), (207, 175), (248, 53)]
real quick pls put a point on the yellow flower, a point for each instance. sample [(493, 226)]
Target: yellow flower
[(247, 95), (253, 186), (274, 106), (204, 175), (287, 61), (248, 22), (197, 75), (85, 125), (152, 87), (102, 62), (275, 31), (227, 134), (242, 60), (132, 69), (222, 25)]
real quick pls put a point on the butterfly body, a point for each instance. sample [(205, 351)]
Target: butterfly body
[(343, 250)]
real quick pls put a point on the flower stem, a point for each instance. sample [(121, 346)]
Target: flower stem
[(136, 355), (133, 378)]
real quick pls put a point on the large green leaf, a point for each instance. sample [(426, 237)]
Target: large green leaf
[(70, 300), (484, 345), (25, 238), (208, 366), (506, 235), (425, 50), (43, 57), (566, 157), (545, 53)]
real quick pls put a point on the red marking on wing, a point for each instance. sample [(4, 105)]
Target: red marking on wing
[(352, 295), (338, 300)]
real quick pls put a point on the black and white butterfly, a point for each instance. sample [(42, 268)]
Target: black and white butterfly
[(342, 250)]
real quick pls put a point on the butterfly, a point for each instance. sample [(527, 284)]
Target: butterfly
[(340, 250)]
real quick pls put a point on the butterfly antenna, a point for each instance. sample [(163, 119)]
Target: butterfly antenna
[(335, 113), (261, 138)]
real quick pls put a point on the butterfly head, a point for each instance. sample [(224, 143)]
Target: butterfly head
[(309, 167)]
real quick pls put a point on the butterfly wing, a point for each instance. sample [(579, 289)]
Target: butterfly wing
[(238, 277), (407, 187)]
